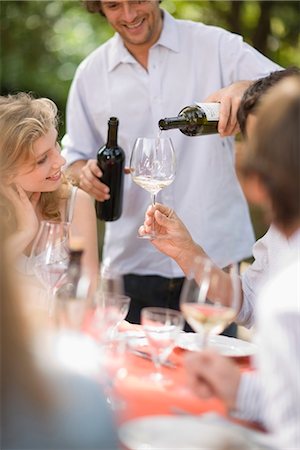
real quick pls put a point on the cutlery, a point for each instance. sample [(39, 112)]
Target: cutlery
[(146, 355)]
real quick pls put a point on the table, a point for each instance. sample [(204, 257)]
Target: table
[(143, 398)]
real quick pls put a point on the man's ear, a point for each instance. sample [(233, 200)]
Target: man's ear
[(255, 191)]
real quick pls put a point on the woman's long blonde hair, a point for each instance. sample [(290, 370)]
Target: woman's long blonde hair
[(23, 120)]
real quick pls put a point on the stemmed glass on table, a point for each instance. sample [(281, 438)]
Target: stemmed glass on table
[(112, 305), (162, 327), (152, 166), (50, 254), (204, 296)]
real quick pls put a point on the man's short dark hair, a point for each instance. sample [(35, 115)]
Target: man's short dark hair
[(252, 96), (273, 151), (94, 6)]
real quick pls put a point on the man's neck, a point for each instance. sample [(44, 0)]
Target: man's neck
[(141, 52)]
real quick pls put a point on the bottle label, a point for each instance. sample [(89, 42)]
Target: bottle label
[(212, 110)]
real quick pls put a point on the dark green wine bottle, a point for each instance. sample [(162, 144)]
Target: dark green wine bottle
[(195, 120), (111, 161)]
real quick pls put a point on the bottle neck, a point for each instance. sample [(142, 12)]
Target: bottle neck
[(112, 134), (170, 123), (75, 261)]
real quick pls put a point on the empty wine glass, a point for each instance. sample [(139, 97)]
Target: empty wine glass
[(162, 326), (209, 299), (112, 305), (152, 166), (115, 370), (50, 253)]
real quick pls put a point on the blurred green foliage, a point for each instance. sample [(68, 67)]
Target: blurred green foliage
[(42, 42)]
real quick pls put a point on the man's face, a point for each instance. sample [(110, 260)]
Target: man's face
[(137, 22)]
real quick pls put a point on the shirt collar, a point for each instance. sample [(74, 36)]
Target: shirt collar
[(169, 38)]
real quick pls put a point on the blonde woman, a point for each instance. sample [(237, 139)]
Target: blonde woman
[(42, 405), (33, 186)]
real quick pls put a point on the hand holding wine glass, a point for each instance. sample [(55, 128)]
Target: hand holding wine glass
[(152, 166), (209, 298)]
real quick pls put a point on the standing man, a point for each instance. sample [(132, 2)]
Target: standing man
[(152, 67)]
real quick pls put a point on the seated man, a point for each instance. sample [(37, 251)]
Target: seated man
[(270, 395), (267, 252)]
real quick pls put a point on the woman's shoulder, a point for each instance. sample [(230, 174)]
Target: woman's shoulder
[(83, 197)]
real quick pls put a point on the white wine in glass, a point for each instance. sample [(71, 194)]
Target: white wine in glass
[(208, 300), (152, 167)]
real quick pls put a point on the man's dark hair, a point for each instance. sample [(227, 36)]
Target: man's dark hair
[(252, 96), (94, 6), (273, 151)]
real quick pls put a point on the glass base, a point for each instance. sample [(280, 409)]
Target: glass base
[(151, 236), (147, 236), (158, 379)]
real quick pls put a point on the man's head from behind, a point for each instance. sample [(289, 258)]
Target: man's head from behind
[(272, 160), (252, 97)]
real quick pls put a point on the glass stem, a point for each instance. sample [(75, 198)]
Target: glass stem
[(153, 198), (205, 340), (157, 367)]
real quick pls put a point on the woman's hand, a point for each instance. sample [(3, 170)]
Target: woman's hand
[(26, 217)]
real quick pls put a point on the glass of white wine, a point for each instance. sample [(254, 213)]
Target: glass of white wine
[(152, 166), (209, 299)]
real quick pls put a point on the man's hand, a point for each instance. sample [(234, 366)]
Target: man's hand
[(229, 99), (89, 181), (174, 238), (210, 374)]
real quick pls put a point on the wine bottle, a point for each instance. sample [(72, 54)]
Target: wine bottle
[(195, 120), (111, 161), (73, 285), (72, 292)]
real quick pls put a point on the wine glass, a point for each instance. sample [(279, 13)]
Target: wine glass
[(50, 254), (162, 326), (112, 305), (152, 166), (209, 298)]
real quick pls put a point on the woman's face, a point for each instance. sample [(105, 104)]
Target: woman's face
[(46, 174)]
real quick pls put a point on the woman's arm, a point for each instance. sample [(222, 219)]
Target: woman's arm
[(84, 226)]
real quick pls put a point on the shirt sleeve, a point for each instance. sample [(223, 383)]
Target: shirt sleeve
[(251, 281), (279, 361), (250, 399), (242, 62), (82, 139)]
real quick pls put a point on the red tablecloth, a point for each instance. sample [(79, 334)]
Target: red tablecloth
[(142, 397)]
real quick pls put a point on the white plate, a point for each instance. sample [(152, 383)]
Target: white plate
[(135, 338), (187, 432), (223, 344)]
